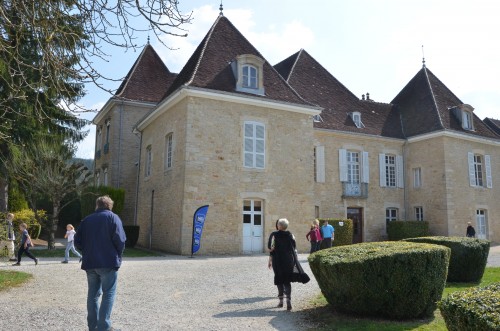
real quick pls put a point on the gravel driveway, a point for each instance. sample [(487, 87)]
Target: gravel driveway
[(162, 293), (159, 293)]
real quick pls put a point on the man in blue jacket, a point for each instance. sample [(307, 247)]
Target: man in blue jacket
[(101, 239)]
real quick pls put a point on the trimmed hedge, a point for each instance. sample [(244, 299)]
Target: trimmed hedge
[(89, 196), (397, 230), (476, 309), (400, 280), (343, 234), (132, 233), (468, 256)]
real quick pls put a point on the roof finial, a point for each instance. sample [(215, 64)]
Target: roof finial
[(148, 38), (423, 57), (221, 8)]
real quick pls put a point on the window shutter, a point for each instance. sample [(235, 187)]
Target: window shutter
[(343, 165), (260, 146), (381, 161), (320, 164), (399, 170), (489, 179), (365, 175), (472, 173)]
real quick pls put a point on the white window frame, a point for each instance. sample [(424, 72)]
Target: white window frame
[(250, 77), (353, 167), (419, 213), (467, 120), (254, 145), (149, 160), (417, 177), (108, 127), (391, 214), (396, 178), (480, 174), (482, 223), (169, 145), (364, 166), (248, 82), (356, 118), (99, 138), (105, 176)]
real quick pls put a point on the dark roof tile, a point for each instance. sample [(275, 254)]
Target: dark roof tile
[(493, 124)]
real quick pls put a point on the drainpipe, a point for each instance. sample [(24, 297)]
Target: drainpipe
[(406, 180), (138, 165), (120, 144)]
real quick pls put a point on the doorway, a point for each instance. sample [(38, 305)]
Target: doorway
[(252, 226), (356, 215), (482, 224)]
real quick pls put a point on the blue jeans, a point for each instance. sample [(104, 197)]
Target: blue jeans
[(70, 247), (100, 281)]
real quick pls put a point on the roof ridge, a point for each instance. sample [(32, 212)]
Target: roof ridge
[(202, 53), (124, 84), (294, 63), (433, 97)]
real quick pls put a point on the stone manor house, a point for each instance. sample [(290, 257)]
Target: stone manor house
[(258, 142)]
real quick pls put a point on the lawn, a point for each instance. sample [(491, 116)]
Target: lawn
[(129, 252), (322, 318), (10, 279)]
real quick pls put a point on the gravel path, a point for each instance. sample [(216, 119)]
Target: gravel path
[(160, 293)]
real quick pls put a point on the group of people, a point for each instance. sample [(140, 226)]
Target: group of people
[(320, 236), (101, 239)]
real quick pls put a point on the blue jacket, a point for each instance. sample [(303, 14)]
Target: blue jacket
[(101, 238)]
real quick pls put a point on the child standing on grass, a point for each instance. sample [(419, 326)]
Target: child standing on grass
[(24, 246), (70, 234)]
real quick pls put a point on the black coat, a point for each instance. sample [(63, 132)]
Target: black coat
[(283, 256)]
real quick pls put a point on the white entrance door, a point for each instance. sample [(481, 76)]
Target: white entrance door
[(252, 226), (482, 224)]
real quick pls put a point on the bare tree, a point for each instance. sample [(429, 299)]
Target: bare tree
[(53, 45)]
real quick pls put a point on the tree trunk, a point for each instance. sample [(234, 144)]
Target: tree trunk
[(51, 243), (4, 193)]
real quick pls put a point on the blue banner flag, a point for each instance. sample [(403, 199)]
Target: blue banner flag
[(198, 221)]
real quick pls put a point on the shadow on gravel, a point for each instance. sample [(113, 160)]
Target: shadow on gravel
[(254, 313), (246, 300)]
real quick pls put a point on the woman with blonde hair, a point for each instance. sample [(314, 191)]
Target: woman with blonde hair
[(70, 235)]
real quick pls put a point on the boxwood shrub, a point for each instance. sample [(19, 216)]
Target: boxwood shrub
[(397, 230), (476, 309), (343, 233), (468, 256), (399, 280)]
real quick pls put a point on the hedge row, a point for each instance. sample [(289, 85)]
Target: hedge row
[(476, 309), (397, 230), (343, 233), (468, 256), (382, 279)]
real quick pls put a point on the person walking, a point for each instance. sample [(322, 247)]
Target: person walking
[(328, 234), (70, 235), (101, 239), (282, 261), (10, 237), (24, 246), (470, 233)]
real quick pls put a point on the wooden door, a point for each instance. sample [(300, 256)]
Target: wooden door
[(356, 215)]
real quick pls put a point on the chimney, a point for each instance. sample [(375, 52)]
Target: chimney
[(368, 96), (363, 97)]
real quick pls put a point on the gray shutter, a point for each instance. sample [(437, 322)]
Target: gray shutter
[(343, 165), (472, 173), (487, 164), (260, 146), (320, 164), (399, 171), (381, 162), (365, 174)]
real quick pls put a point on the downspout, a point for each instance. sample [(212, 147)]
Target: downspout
[(405, 180), (120, 144), (138, 165)]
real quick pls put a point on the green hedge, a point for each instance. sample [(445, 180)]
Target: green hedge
[(476, 309), (397, 230), (468, 256), (343, 234), (132, 233), (89, 196), (399, 280)]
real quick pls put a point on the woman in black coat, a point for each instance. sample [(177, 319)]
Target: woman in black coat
[(282, 259)]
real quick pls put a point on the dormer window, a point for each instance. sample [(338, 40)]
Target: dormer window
[(249, 76), (317, 118), (248, 70), (463, 113), (356, 118)]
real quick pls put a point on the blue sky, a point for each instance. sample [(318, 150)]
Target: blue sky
[(369, 46)]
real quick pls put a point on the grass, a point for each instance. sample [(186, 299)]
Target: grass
[(129, 252), (10, 279), (322, 317)]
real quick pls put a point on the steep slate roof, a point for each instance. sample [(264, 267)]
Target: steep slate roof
[(148, 79), (493, 124), (425, 105), (210, 65), (315, 84)]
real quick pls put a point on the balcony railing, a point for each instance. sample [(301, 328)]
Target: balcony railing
[(354, 190)]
